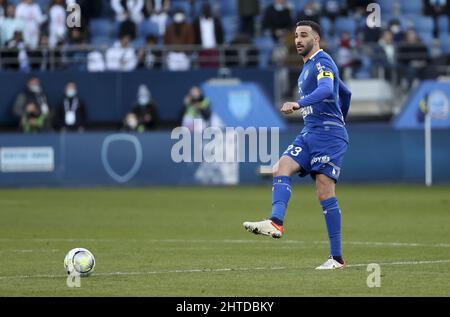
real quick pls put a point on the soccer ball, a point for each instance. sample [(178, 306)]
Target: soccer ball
[(79, 261)]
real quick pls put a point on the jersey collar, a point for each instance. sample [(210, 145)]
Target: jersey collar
[(315, 54)]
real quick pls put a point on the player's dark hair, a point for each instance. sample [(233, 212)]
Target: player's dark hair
[(315, 26)]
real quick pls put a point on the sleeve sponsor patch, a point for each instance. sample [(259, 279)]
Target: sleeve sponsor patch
[(326, 74)]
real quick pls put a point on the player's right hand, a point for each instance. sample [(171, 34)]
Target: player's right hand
[(289, 107)]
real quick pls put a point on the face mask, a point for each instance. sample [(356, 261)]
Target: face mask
[(279, 7), (71, 93), (143, 101), (178, 18), (35, 88), (395, 28)]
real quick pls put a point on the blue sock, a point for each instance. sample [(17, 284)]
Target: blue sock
[(332, 215), (281, 193)]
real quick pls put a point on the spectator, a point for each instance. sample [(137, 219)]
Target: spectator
[(384, 54), (15, 56), (333, 8), (57, 23), (31, 15), (358, 7), (436, 8), (33, 119), (39, 113), (311, 12), (129, 9), (346, 58), (45, 58), (179, 34), (95, 62), (10, 25), (396, 30), (128, 28), (121, 57), (3, 9), (208, 33), (158, 12), (144, 115), (277, 19), (150, 57), (197, 107), (247, 11), (412, 56), (90, 9), (71, 113)]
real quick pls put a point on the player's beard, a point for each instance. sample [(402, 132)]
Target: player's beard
[(307, 49)]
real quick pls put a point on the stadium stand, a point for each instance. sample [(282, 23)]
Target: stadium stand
[(102, 32)]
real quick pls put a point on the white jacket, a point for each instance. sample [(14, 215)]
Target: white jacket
[(57, 28), (31, 15), (120, 58), (134, 7)]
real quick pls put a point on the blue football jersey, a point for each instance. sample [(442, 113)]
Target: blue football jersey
[(325, 115)]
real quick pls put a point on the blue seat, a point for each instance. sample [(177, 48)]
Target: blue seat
[(387, 6), (228, 7), (424, 24), (411, 7), (147, 28), (299, 5), (101, 27), (138, 43), (444, 39), (183, 4), (344, 24), (102, 41), (426, 37), (325, 25), (230, 26), (265, 45), (443, 24)]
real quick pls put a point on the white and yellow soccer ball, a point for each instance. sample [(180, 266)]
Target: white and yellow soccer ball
[(79, 261)]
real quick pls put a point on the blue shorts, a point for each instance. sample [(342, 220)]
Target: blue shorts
[(318, 154)]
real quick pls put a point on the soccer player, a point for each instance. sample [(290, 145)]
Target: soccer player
[(319, 149)]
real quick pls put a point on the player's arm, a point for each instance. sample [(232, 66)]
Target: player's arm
[(345, 96), (323, 91)]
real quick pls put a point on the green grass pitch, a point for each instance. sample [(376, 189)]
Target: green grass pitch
[(190, 242)]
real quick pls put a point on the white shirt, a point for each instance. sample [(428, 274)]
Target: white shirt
[(207, 33), (95, 62), (120, 58), (8, 27), (31, 15), (57, 28), (134, 7)]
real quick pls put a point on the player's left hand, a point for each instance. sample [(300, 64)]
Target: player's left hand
[(289, 107)]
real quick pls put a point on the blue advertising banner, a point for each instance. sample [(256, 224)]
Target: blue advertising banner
[(432, 96), (242, 105)]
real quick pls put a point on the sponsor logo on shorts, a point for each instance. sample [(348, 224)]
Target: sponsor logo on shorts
[(321, 159)]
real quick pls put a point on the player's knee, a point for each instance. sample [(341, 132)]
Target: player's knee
[(284, 167), (324, 188)]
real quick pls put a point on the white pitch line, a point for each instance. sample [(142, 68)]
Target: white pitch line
[(206, 270), (237, 241)]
